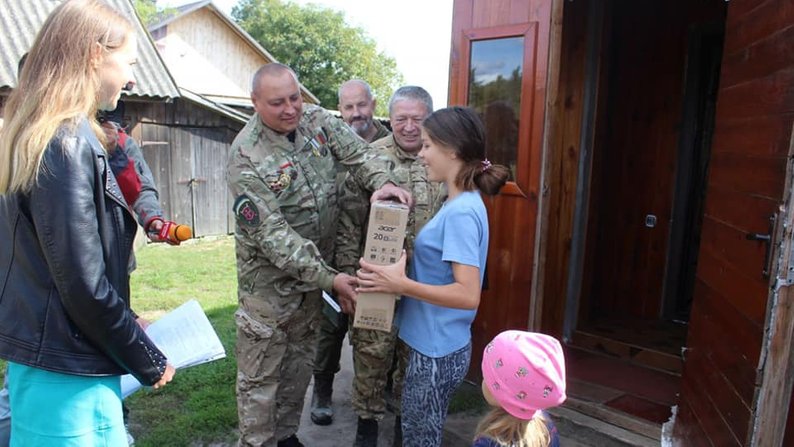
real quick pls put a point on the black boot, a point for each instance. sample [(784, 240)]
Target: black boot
[(292, 441), (398, 432), (366, 433), (322, 412)]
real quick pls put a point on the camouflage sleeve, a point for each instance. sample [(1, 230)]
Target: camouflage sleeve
[(147, 206), (353, 207), (368, 166), (259, 217)]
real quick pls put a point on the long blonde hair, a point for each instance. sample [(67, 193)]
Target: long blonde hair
[(511, 431), (58, 84)]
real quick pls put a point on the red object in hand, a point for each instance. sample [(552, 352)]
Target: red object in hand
[(174, 233)]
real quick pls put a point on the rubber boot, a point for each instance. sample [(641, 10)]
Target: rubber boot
[(398, 432), (292, 441), (322, 411), (366, 433)]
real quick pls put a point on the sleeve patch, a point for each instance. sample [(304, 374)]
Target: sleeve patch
[(246, 211)]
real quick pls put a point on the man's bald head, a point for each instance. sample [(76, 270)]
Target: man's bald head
[(276, 95), (273, 69)]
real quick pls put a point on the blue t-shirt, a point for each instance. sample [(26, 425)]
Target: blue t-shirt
[(457, 233)]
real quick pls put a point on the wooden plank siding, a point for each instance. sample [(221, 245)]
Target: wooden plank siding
[(562, 165), (207, 57), (513, 214), (186, 147), (747, 175)]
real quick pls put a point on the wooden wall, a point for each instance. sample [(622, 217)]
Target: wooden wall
[(513, 216), (755, 112), (562, 164), (206, 56), (186, 147)]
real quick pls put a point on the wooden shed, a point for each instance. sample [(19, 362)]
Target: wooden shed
[(211, 55), (185, 143), (648, 223), (184, 136)]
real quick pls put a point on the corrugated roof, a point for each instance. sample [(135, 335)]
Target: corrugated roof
[(20, 20), (216, 107), (185, 10)]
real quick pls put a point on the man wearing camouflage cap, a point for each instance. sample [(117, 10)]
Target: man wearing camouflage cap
[(373, 350), (282, 171)]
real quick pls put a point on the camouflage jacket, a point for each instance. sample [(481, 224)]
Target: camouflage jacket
[(286, 205), (382, 132), (410, 174)]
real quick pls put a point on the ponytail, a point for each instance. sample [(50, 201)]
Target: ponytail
[(462, 129), (491, 178)]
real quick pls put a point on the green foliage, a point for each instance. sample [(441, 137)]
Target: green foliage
[(322, 49), (499, 89), (468, 398), (149, 12)]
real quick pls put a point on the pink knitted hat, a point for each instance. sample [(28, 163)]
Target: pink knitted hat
[(525, 372)]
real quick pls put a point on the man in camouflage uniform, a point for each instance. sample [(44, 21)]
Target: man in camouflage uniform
[(357, 106), (282, 173), (373, 350)]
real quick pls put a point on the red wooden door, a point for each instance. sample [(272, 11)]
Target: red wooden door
[(746, 185), (501, 47)]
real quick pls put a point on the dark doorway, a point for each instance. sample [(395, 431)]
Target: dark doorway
[(652, 117), (697, 129)]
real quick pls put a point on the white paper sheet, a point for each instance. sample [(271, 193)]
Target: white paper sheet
[(185, 336)]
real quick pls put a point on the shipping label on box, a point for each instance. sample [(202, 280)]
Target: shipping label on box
[(374, 311), (383, 246)]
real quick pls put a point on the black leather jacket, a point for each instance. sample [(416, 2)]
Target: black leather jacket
[(64, 251)]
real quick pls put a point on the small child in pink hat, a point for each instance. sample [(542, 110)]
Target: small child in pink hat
[(523, 374)]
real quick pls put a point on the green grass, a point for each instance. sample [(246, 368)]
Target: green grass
[(468, 399), (199, 406)]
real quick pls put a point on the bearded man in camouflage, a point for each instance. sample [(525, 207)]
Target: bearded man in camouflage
[(373, 350), (282, 171), (356, 105)]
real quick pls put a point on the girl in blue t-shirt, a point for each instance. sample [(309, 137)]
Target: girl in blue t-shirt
[(442, 291)]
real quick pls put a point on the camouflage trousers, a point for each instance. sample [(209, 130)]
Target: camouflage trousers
[(274, 366), (374, 353), (329, 345)]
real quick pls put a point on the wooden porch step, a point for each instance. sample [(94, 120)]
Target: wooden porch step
[(628, 351), (595, 425)]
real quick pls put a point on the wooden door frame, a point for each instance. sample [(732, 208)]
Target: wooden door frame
[(684, 160), (526, 178), (573, 288), (776, 363), (529, 31), (553, 103)]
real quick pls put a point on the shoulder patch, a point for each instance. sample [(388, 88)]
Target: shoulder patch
[(246, 211)]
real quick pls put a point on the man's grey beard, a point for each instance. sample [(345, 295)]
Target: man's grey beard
[(360, 127)]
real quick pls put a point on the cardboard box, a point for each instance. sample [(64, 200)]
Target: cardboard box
[(384, 246)]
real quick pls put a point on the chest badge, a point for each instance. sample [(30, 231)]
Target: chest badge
[(318, 144), (281, 179)]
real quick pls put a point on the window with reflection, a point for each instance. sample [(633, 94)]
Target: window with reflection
[(495, 72)]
